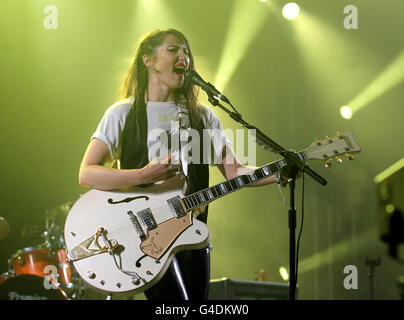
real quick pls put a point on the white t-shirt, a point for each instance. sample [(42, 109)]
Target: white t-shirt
[(163, 121)]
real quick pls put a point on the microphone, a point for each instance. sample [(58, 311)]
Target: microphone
[(196, 79)]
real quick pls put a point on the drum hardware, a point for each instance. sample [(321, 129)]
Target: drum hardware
[(28, 265), (32, 233), (4, 276), (4, 228)]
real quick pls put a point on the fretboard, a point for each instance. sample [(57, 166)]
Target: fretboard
[(210, 194)]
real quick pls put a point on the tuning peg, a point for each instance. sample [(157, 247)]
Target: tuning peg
[(349, 156), (339, 135), (327, 164), (339, 160), (328, 139), (317, 142)]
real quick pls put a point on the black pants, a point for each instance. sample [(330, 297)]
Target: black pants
[(187, 278)]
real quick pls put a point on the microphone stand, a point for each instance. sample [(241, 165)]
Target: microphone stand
[(290, 169)]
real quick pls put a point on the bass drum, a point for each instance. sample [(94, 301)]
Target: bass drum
[(35, 260), (29, 287)]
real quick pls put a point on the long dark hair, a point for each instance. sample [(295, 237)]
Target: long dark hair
[(136, 79)]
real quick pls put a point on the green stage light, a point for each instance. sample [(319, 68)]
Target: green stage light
[(246, 20), (346, 112), (291, 10), (153, 14), (391, 76), (336, 251), (284, 273), (321, 47), (390, 208)]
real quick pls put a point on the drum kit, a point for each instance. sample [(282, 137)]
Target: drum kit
[(41, 272)]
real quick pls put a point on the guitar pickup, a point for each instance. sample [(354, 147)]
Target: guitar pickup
[(176, 206), (147, 218), (137, 226)]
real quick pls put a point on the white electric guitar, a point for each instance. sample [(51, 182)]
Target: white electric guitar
[(123, 240)]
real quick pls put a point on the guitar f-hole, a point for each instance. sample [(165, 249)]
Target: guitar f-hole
[(138, 264), (127, 200)]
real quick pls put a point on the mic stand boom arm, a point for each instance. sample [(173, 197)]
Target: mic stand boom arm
[(290, 158), (293, 165)]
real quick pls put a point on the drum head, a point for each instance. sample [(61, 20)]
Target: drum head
[(28, 287)]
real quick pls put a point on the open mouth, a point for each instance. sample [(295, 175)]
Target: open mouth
[(180, 69)]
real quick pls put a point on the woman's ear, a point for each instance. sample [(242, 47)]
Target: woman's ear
[(148, 61)]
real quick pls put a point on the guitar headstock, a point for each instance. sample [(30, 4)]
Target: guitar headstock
[(341, 144)]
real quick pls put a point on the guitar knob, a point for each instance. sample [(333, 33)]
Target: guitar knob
[(338, 159), (349, 156), (327, 164)]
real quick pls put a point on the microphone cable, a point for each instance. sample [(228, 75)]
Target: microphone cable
[(301, 229)]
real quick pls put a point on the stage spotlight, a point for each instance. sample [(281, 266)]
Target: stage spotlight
[(345, 112), (154, 14), (391, 76), (246, 20), (339, 251), (290, 11), (284, 273), (390, 208)]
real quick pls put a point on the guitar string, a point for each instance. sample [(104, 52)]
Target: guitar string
[(163, 216), (160, 213), (162, 209), (165, 213), (126, 230), (157, 212), (158, 217)]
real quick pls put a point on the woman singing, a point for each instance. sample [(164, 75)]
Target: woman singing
[(153, 98)]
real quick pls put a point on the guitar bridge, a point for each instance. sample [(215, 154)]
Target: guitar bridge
[(83, 250)]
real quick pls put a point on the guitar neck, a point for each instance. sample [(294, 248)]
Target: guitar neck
[(210, 194)]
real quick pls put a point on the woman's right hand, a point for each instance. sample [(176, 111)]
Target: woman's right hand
[(158, 169)]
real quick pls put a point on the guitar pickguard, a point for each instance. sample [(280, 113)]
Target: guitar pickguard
[(161, 238)]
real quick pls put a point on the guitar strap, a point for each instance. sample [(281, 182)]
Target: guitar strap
[(134, 154)]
